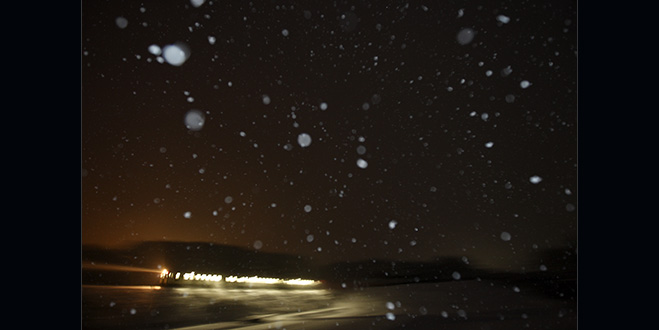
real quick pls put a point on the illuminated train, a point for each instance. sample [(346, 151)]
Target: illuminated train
[(168, 278)]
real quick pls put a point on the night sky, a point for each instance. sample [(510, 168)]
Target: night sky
[(438, 128)]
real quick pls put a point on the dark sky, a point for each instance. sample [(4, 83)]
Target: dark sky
[(438, 117)]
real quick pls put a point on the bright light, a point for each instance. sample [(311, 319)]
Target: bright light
[(201, 277), (300, 281), (253, 279), (264, 280), (192, 276)]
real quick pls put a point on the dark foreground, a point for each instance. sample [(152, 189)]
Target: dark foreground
[(471, 304)]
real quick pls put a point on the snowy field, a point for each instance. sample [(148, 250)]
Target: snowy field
[(446, 305)]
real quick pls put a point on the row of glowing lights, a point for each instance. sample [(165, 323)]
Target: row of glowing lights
[(235, 279)]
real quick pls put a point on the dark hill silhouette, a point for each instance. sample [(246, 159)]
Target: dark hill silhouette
[(553, 273), (386, 272), (200, 257)]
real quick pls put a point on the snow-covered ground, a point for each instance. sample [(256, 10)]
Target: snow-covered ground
[(468, 304)]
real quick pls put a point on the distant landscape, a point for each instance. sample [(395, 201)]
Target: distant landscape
[(141, 263)]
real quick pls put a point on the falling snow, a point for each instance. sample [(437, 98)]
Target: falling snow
[(535, 179), (503, 19), (194, 120), (175, 54), (465, 36), (424, 108), (392, 224), (121, 22), (505, 72), (155, 50), (197, 3), (304, 140)]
